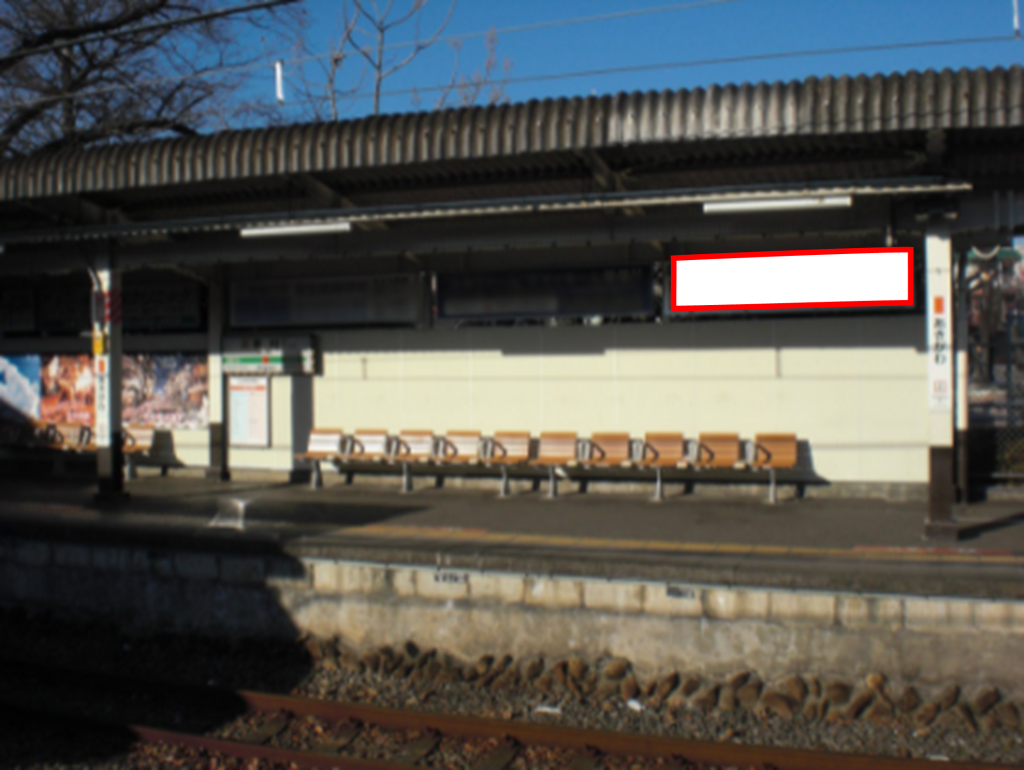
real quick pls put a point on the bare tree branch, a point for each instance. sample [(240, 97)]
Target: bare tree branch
[(135, 84)]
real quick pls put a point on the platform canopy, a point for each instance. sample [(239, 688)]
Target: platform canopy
[(922, 136)]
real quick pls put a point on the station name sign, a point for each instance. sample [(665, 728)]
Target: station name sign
[(269, 355), (779, 280)]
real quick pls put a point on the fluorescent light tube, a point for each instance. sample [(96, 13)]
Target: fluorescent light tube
[(754, 205), (313, 228)]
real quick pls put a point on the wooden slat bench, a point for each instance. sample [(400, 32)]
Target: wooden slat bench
[(459, 447), (412, 446), (772, 452), (556, 450), (324, 445), (720, 451), (508, 448), (661, 451), (367, 445), (609, 450)]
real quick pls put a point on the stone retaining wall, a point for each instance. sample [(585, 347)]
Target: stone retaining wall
[(658, 626)]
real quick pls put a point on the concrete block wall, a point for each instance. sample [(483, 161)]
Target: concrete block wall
[(707, 628)]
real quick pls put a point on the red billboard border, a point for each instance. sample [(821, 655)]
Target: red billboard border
[(796, 305)]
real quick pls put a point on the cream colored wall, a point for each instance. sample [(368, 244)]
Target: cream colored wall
[(853, 387), (278, 456), (192, 447)]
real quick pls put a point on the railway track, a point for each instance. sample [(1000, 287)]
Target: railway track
[(290, 731)]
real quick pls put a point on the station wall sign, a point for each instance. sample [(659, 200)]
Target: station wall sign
[(249, 412), (793, 280), (272, 355)]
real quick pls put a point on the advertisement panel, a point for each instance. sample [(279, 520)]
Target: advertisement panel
[(19, 388), (167, 391), (880, 277), (67, 389)]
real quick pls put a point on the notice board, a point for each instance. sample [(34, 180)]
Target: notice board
[(249, 411)]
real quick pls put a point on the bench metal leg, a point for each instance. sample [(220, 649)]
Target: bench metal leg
[(504, 482), (406, 479), (552, 483), (349, 477), (131, 471), (659, 487), (316, 481), (772, 491)]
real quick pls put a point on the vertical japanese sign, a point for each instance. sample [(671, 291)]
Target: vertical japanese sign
[(940, 336), (102, 431), (940, 379)]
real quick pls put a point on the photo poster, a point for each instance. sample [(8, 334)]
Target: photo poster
[(67, 389), (19, 388), (168, 391), (249, 411)]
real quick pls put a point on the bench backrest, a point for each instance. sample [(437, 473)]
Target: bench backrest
[(664, 447), (609, 447), (461, 445), (370, 442), (719, 450), (557, 446), (511, 446), (775, 450), (415, 444), (73, 435), (325, 441), (139, 437)]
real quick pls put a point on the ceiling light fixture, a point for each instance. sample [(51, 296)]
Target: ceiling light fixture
[(312, 228), (756, 205)]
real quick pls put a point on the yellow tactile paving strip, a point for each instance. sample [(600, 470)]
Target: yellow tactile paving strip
[(861, 553)]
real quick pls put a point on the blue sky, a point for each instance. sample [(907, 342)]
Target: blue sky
[(726, 29)]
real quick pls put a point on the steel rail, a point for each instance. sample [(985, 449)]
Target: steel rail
[(517, 733), (604, 742)]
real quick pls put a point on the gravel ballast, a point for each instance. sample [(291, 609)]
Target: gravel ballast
[(869, 716)]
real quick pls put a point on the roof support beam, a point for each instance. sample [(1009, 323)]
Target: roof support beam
[(328, 197), (607, 179)]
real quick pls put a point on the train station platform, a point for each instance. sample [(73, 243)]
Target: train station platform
[(811, 544)]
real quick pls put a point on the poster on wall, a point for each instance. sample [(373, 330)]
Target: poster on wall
[(67, 389), (249, 411), (19, 388), (166, 391)]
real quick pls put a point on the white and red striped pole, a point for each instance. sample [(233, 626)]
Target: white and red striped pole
[(107, 348)]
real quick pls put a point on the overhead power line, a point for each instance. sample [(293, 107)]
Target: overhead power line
[(709, 62), (134, 30), (540, 25), (251, 66), (602, 72)]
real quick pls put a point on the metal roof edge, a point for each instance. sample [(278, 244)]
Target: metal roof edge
[(815, 106)]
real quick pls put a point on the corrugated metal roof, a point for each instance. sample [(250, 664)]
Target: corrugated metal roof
[(912, 101)]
